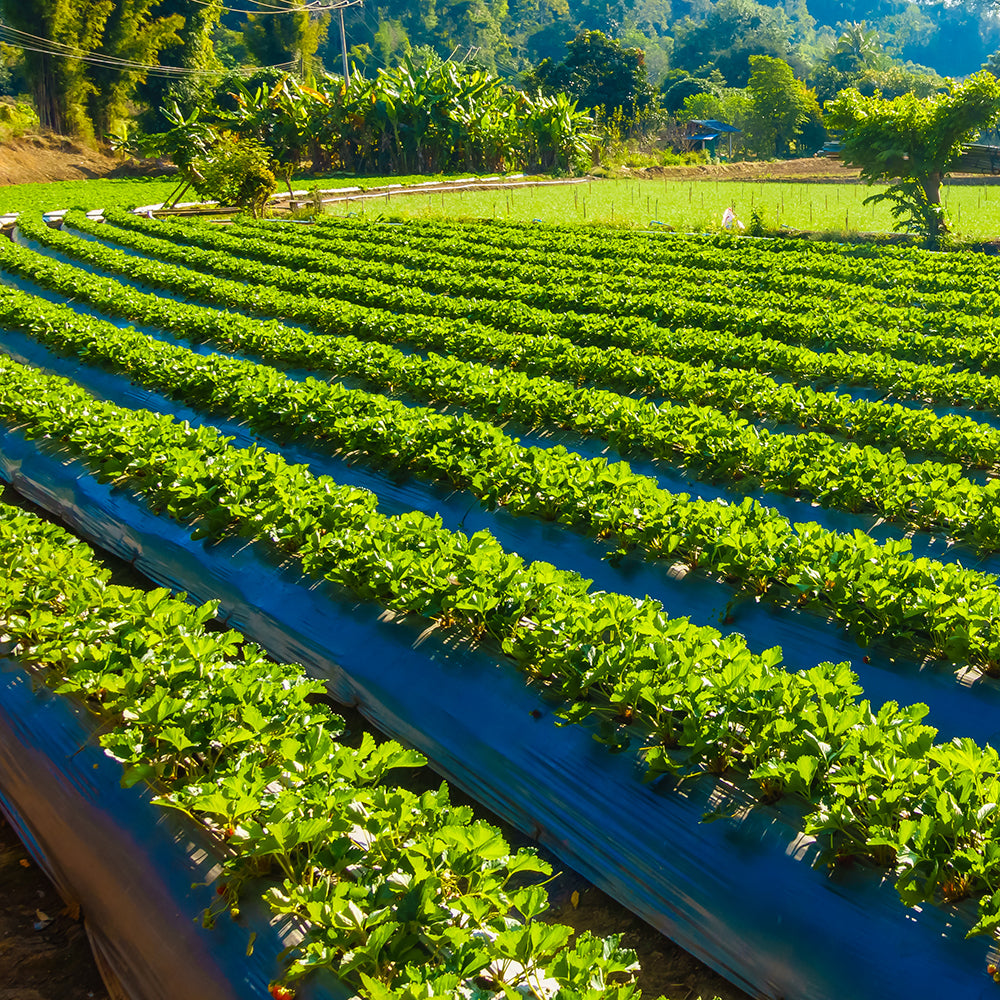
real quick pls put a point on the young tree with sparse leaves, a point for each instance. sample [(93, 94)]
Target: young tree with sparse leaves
[(913, 142)]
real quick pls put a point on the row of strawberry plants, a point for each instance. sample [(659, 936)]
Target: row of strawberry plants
[(938, 609), (417, 287), (951, 437), (878, 785), (629, 368), (214, 255), (403, 893), (532, 246), (864, 264), (523, 278), (854, 478)]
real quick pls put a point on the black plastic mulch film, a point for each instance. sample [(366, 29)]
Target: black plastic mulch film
[(739, 893)]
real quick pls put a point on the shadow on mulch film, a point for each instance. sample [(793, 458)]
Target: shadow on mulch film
[(739, 893)]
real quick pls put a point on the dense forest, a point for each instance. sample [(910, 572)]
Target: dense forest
[(85, 64), (952, 38)]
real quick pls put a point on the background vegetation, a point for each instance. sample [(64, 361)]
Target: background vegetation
[(239, 100), (85, 63)]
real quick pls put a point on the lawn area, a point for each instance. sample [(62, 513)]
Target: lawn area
[(684, 205), (690, 205), (127, 192)]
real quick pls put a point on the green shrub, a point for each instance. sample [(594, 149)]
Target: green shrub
[(237, 172), (16, 118)]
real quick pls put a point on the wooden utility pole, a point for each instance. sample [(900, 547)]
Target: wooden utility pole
[(343, 47)]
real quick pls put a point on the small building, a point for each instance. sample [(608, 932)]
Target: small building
[(977, 158), (708, 131)]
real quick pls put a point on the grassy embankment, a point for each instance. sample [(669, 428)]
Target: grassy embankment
[(102, 192)]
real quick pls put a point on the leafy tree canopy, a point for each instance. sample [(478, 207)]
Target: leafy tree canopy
[(859, 59), (597, 72), (286, 39), (731, 32), (784, 111), (875, 45), (914, 142), (76, 95)]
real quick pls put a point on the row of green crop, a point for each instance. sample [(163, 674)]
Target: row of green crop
[(855, 478), (736, 261), (533, 279), (403, 894), (876, 784), (364, 244), (864, 264), (877, 590), (549, 355), (955, 438), (429, 290), (211, 255)]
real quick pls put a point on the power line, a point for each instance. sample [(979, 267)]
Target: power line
[(59, 50), (46, 46), (317, 6)]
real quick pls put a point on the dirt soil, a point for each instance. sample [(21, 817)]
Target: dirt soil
[(50, 158), (44, 952), (810, 169), (57, 158)]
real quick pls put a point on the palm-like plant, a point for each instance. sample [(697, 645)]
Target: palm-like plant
[(858, 48), (418, 117), (188, 141)]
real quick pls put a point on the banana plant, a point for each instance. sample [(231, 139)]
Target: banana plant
[(189, 140)]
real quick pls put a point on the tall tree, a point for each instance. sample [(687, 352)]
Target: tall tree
[(290, 38), (537, 29), (857, 51), (731, 32), (858, 48), (58, 82), (597, 72), (913, 143), (480, 31), (132, 33), (86, 95), (781, 106), (191, 48)]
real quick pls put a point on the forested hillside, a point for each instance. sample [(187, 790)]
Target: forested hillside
[(508, 35), (92, 68)]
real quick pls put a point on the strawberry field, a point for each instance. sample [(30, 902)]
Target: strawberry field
[(678, 552)]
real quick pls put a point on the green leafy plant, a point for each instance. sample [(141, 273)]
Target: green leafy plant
[(237, 172), (395, 890), (912, 143)]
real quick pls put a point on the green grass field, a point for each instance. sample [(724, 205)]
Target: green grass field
[(683, 205), (50, 196), (690, 205)]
